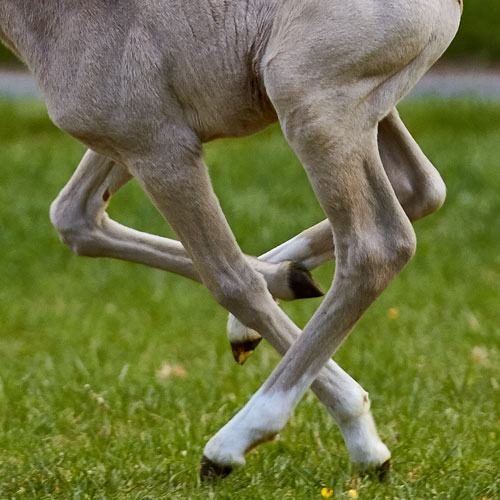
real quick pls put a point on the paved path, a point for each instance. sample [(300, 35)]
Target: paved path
[(17, 84), (450, 81), (444, 82)]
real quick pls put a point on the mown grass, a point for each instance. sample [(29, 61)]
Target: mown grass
[(85, 413)]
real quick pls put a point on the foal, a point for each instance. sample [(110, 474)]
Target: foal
[(143, 83)]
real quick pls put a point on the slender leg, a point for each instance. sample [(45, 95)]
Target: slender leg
[(185, 199), (418, 187), (373, 240), (333, 129), (79, 214)]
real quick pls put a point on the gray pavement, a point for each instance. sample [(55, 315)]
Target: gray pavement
[(17, 84), (443, 81), (452, 81)]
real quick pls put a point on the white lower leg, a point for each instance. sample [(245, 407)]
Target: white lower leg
[(344, 398), (260, 421), (351, 411), (264, 416), (363, 443)]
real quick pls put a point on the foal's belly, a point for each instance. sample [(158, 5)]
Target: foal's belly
[(215, 75), (230, 114), (189, 63), (224, 103)]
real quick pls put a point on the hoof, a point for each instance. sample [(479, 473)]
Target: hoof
[(302, 283), (382, 470), (210, 470), (242, 351)]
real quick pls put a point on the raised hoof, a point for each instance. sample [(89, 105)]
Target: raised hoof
[(210, 470), (302, 283), (242, 351)]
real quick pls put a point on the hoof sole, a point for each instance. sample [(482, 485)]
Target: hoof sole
[(210, 470), (244, 350)]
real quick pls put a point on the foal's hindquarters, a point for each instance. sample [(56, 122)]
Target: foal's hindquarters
[(331, 70)]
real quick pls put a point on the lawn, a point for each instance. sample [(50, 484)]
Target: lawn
[(88, 408)]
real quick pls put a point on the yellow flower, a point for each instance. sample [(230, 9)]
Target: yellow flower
[(326, 492), (392, 313), (353, 494)]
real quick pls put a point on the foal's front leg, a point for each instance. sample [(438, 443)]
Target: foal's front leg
[(79, 214)]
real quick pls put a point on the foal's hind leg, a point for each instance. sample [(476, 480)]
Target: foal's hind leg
[(331, 121), (373, 241), (416, 182), (418, 187)]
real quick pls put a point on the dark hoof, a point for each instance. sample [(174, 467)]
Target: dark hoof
[(302, 283), (242, 351), (382, 470), (210, 470)]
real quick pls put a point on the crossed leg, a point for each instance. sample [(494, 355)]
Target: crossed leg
[(373, 240), (179, 186), (177, 182), (333, 130), (79, 214)]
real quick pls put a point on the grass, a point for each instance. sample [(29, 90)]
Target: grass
[(478, 39), (85, 412)]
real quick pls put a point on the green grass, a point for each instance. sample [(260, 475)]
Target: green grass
[(83, 413), (6, 56), (478, 38)]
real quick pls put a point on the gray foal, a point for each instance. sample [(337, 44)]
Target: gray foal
[(143, 83)]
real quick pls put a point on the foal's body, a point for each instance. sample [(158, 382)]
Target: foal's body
[(144, 83), (196, 64)]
